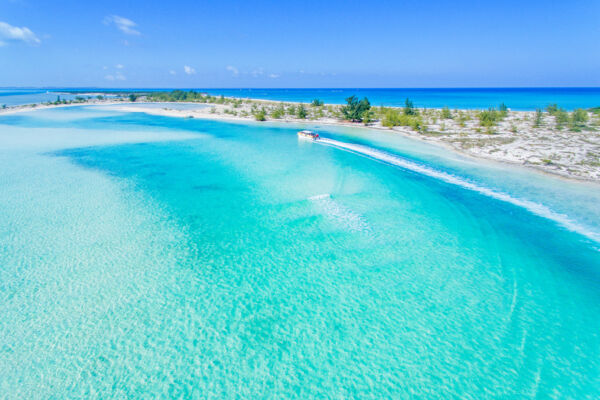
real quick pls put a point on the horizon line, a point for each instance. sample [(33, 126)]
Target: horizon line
[(295, 88)]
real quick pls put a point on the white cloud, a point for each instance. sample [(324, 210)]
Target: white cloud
[(10, 33), (116, 77), (125, 25), (172, 72), (234, 71), (119, 66), (189, 70), (273, 76), (258, 72)]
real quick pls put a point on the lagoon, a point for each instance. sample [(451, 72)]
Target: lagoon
[(155, 256)]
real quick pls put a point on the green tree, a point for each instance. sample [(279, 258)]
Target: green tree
[(409, 108), (132, 97), (354, 110), (301, 111)]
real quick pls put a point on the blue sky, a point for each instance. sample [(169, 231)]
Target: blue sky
[(299, 43)]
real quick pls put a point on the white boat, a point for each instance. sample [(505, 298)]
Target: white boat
[(308, 135)]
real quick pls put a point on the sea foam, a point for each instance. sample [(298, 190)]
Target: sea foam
[(531, 206)]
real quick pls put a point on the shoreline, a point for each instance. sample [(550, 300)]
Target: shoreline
[(397, 130), (528, 147)]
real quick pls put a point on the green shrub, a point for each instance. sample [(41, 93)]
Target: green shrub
[(503, 109), (538, 117), (393, 117), (132, 97), (316, 103), (446, 114), (260, 115), (561, 116), (368, 116), (579, 117), (489, 118), (278, 112), (552, 109)]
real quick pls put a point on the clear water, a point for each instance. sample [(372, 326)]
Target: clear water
[(15, 97), (468, 98), (144, 256), (463, 98)]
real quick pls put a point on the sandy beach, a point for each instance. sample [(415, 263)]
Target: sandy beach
[(516, 139)]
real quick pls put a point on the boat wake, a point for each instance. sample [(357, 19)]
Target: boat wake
[(339, 213), (531, 206)]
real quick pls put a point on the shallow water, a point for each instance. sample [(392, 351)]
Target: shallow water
[(15, 97), (145, 256)]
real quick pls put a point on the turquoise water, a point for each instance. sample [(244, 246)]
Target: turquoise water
[(146, 256), (15, 97), (464, 98)]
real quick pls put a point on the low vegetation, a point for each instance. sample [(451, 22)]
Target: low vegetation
[(391, 117), (260, 115), (489, 118)]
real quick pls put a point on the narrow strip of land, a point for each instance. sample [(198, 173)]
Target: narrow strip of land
[(552, 140)]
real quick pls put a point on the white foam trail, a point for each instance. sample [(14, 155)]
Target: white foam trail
[(533, 207), (320, 196), (339, 213)]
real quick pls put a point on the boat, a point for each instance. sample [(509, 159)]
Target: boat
[(308, 135)]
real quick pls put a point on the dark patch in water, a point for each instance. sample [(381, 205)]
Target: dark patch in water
[(207, 187)]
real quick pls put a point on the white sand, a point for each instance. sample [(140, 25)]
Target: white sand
[(514, 140)]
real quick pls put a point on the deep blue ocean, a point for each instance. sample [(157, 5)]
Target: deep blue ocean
[(472, 98), (516, 99)]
